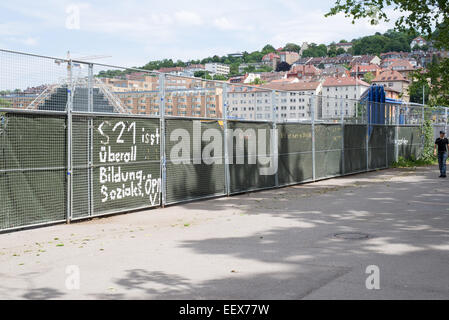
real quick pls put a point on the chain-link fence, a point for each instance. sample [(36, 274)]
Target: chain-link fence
[(80, 140)]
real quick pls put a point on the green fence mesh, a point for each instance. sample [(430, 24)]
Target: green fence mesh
[(246, 176), (409, 141), (188, 175), (377, 156), (116, 160), (328, 144), (32, 169), (116, 164), (355, 148), (295, 153)]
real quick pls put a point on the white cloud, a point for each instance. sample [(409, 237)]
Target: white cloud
[(29, 41), (188, 18), (223, 24), (135, 30)]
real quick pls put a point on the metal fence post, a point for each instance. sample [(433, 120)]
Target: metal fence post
[(225, 135), (445, 119), (367, 135), (342, 120), (396, 134), (274, 123), (423, 117), (69, 140), (90, 150), (386, 136), (162, 145), (312, 117)]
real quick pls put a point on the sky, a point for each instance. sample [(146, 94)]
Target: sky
[(131, 33)]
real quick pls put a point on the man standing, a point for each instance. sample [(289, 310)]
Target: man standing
[(442, 144)]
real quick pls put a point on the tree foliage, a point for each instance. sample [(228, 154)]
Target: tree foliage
[(315, 50), (427, 17), (292, 47), (368, 77), (379, 43), (283, 66)]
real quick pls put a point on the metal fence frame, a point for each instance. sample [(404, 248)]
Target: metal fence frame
[(70, 113)]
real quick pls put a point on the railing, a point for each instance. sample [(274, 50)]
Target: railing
[(108, 95), (72, 164)]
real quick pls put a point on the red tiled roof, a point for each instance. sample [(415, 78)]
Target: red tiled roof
[(270, 56), (305, 70), (365, 68), (401, 63), (295, 86), (389, 76), (165, 70), (343, 81)]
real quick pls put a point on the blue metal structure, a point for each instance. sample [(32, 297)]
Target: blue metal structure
[(378, 106)]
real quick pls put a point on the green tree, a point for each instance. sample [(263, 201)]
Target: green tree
[(220, 77), (415, 90), (427, 17), (264, 68), (268, 48), (292, 47), (203, 75), (4, 103), (283, 66), (332, 51), (368, 77), (340, 51), (234, 69), (257, 81), (315, 50)]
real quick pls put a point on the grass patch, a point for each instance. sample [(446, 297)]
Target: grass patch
[(411, 162)]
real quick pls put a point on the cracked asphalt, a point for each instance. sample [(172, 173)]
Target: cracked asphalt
[(274, 244)]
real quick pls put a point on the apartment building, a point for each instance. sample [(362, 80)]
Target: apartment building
[(271, 59), (292, 103), (217, 68), (304, 72), (288, 56), (146, 82), (402, 66), (360, 71), (344, 45), (256, 65), (340, 94), (418, 41), (394, 80), (202, 102), (17, 100)]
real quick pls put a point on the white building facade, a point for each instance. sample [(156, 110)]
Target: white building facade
[(341, 94), (292, 101), (217, 68)]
